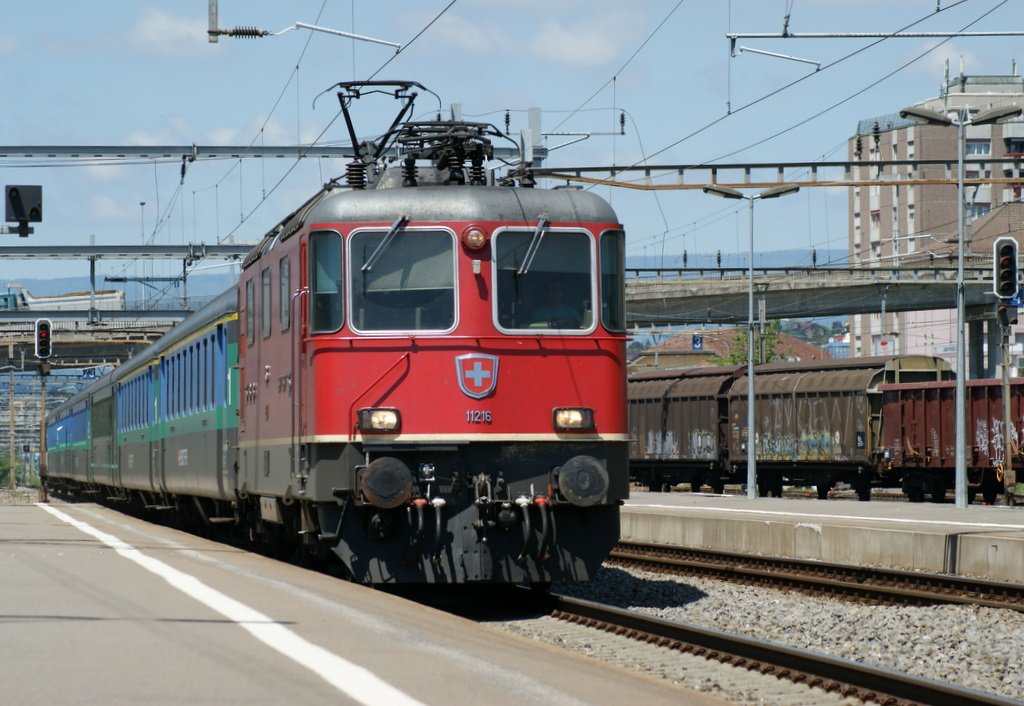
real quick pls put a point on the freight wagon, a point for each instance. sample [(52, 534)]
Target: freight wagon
[(918, 442), (817, 423)]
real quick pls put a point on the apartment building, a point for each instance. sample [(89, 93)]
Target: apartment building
[(908, 225)]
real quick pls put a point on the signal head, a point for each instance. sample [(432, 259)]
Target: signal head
[(1004, 268), (44, 339)]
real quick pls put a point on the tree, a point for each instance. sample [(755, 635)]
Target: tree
[(5, 471), (766, 348)]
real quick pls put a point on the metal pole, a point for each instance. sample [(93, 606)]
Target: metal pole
[(961, 364), (1007, 414), (10, 409), (751, 417), (92, 290), (42, 438)]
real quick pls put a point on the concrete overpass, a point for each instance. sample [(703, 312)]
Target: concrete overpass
[(720, 296)]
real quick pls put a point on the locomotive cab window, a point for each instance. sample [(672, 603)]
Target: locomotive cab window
[(553, 290), (325, 299), (613, 278), (405, 282)]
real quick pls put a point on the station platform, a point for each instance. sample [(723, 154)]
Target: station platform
[(977, 541)]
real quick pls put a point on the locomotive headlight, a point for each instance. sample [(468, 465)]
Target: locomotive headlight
[(573, 419), (379, 419), (474, 238)]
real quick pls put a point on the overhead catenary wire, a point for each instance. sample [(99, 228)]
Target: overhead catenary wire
[(330, 124), (787, 86)]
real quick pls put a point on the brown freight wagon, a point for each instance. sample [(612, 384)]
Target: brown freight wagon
[(677, 423), (818, 423), (918, 441)]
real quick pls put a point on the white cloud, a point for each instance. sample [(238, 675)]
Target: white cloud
[(589, 43), (158, 32), (274, 133), (176, 131), (223, 136), (104, 172), (934, 65), (105, 209), (476, 38)]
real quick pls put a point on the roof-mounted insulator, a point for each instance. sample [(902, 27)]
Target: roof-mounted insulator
[(355, 174), (409, 175), (243, 32)]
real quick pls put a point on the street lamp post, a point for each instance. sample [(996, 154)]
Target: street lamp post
[(730, 193), (963, 119)]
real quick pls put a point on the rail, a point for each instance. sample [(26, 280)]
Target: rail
[(856, 582), (849, 678)]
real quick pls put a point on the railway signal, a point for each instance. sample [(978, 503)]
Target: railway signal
[(44, 341), (22, 205), (1004, 264)]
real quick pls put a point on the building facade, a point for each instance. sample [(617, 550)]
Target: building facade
[(915, 225)]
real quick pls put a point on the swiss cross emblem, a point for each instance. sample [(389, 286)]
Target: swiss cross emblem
[(478, 374)]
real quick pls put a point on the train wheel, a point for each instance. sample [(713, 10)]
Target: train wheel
[(937, 490)]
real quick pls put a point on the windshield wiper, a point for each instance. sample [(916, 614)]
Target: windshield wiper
[(531, 251), (395, 227)]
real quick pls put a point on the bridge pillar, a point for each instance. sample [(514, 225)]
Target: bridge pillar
[(995, 348)]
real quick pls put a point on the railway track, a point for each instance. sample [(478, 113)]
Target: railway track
[(852, 582), (846, 678)]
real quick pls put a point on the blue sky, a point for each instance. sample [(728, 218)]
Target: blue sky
[(137, 73)]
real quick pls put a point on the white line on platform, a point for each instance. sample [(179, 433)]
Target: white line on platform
[(808, 515), (354, 681)]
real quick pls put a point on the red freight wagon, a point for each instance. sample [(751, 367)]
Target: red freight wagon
[(919, 436)]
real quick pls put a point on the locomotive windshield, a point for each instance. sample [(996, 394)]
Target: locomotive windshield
[(555, 290), (409, 284)]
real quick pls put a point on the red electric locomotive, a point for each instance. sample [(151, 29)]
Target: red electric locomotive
[(433, 368)]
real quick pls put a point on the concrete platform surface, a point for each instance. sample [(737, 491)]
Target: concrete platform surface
[(979, 541), (101, 608)]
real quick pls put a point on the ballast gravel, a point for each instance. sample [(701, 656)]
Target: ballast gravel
[(977, 648)]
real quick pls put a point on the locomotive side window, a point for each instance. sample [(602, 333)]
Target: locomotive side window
[(551, 291), (325, 276), (284, 277), (265, 309), (250, 313), (613, 298), (405, 283)]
